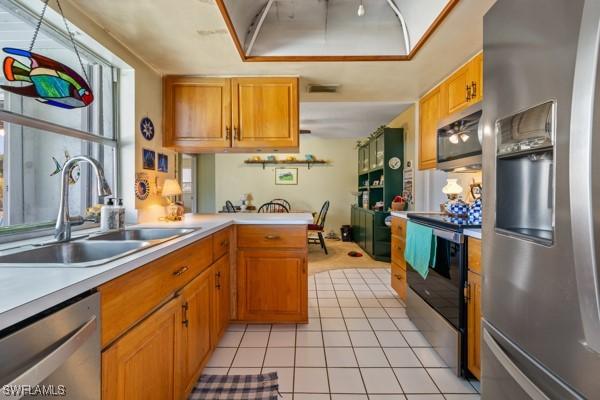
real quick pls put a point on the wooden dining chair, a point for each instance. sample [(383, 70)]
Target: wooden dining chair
[(318, 227), (271, 207), (229, 207), (284, 202)]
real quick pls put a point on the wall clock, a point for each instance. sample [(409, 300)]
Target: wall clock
[(147, 128), (395, 163)]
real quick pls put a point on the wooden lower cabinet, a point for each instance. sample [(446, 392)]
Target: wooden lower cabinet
[(399, 280), (474, 324), (272, 285), (196, 344), (141, 365), (221, 298)]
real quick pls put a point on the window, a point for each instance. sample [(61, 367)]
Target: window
[(33, 135)]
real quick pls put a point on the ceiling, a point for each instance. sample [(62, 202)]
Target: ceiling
[(347, 119), (192, 38)]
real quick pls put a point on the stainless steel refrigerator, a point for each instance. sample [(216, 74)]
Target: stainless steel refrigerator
[(541, 228)]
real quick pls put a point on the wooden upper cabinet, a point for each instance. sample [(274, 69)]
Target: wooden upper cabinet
[(463, 88), (429, 116), (265, 113), (141, 365), (197, 113)]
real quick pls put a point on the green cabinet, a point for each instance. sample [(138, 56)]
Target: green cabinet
[(380, 179)]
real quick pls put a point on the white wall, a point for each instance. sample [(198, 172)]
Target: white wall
[(333, 182)]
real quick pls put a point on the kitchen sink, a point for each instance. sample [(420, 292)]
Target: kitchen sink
[(73, 254), (146, 234)]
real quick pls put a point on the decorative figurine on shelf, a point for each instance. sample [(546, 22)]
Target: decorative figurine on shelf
[(310, 157)]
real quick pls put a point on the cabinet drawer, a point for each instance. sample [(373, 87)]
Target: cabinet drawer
[(129, 298), (221, 243), (398, 246), (271, 236), (399, 227), (398, 278)]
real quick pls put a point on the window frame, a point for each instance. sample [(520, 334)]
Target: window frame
[(44, 228)]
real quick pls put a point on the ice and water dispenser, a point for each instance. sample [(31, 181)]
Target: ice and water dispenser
[(525, 174)]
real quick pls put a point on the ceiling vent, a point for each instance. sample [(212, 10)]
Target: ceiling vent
[(328, 88)]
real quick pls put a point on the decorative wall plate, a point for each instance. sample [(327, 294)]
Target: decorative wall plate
[(147, 128), (142, 187)]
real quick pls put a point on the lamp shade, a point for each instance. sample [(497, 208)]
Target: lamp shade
[(452, 187), (171, 188)]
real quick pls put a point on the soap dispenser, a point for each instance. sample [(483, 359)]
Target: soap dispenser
[(121, 214), (108, 216)]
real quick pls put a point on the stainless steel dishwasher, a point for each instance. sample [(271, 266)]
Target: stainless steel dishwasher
[(55, 355)]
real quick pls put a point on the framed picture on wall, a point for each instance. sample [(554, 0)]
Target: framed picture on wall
[(163, 162), (286, 176), (149, 159)]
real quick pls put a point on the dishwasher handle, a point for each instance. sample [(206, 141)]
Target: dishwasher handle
[(41, 370)]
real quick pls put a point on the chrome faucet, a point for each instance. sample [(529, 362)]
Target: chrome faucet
[(62, 230)]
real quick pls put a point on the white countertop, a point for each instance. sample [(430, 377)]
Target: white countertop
[(475, 233), (25, 292)]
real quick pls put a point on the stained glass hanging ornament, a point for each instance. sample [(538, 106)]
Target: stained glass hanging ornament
[(51, 82)]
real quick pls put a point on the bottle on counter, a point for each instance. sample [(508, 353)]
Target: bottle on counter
[(121, 214), (109, 216)]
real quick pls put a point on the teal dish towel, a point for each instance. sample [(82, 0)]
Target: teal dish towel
[(420, 248)]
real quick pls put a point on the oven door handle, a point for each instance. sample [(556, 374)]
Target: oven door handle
[(448, 235), (36, 374)]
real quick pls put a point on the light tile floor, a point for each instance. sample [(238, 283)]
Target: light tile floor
[(358, 345)]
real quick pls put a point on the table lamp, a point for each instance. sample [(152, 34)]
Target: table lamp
[(170, 189)]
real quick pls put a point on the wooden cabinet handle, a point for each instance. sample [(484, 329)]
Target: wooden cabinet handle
[(271, 237), (224, 242), (474, 89), (467, 292), (218, 280), (468, 93), (184, 308), (236, 133), (180, 271), (398, 276), (227, 133)]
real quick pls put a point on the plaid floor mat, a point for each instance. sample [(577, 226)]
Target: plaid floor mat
[(236, 387)]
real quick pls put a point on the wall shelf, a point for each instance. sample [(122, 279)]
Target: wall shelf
[(308, 163)]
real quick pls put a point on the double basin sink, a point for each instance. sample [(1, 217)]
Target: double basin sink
[(95, 250)]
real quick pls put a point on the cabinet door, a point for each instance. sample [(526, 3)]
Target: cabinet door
[(196, 298), (197, 113), (476, 72), (366, 158), (265, 113), (141, 364), (457, 90), (474, 324), (398, 280), (272, 285), (372, 154), (379, 154), (221, 303), (429, 115), (369, 219)]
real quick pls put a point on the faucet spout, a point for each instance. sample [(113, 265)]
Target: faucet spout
[(62, 230)]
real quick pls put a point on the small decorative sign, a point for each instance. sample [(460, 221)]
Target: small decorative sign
[(286, 176)]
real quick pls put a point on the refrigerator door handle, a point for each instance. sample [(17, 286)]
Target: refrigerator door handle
[(584, 121), (522, 380)]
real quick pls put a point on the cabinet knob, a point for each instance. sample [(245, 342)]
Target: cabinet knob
[(271, 237), (468, 93), (224, 243), (180, 271), (184, 308), (474, 89), (227, 133)]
